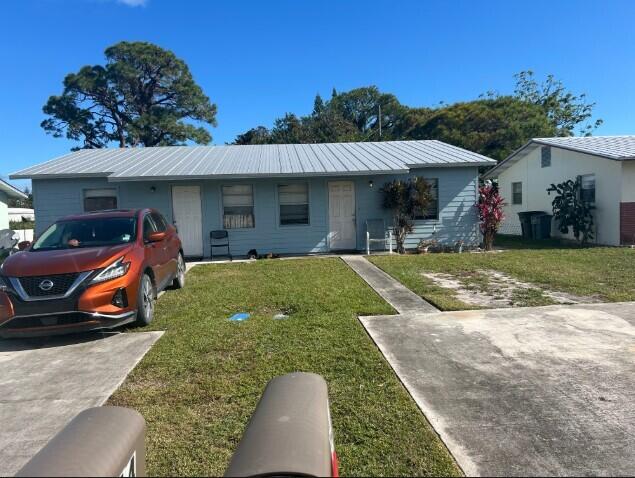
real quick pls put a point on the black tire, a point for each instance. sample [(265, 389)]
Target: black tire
[(179, 279), (146, 297)]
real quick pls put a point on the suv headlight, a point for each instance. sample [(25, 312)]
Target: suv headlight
[(114, 270)]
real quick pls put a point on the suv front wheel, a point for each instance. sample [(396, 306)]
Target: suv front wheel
[(145, 301), (179, 279)]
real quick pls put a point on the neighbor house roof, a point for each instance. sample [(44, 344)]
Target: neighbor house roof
[(11, 191), (617, 148), (180, 162)]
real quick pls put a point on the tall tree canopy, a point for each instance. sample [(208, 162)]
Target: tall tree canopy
[(140, 97), (565, 110), (493, 125)]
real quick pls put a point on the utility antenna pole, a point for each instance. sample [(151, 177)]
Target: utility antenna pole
[(379, 116)]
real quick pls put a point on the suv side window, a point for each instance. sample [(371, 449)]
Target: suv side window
[(159, 221), (148, 227)]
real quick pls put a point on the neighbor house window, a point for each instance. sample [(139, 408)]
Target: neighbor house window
[(238, 206), (545, 156), (587, 193), (517, 193), (100, 199), (293, 200), (432, 212)]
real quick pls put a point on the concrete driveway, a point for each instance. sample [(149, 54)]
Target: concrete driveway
[(44, 383), (529, 391)]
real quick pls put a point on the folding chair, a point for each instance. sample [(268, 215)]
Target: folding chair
[(220, 239), (375, 233)]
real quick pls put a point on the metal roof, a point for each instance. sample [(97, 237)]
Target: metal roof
[(181, 162), (617, 148), (11, 191), (612, 147)]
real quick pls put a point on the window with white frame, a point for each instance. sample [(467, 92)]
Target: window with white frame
[(517, 193), (100, 199), (293, 204), (238, 206), (545, 156), (587, 191), (432, 212)]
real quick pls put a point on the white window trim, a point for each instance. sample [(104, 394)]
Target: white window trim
[(595, 190), (521, 193), (546, 148), (222, 205), (277, 198), (434, 220)]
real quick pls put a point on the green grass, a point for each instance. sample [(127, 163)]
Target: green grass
[(603, 272), (198, 386)]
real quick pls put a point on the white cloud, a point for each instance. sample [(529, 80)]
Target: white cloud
[(133, 3)]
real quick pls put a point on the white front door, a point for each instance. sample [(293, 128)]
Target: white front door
[(342, 230), (186, 211)]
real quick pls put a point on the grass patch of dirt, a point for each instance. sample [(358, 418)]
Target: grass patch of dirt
[(517, 276)]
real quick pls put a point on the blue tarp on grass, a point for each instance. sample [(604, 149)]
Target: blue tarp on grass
[(240, 317)]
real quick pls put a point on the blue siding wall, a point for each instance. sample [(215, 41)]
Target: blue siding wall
[(55, 198)]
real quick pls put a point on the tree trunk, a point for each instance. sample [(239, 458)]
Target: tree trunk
[(488, 240)]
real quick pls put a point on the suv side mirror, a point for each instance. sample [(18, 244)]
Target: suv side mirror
[(156, 236), (23, 245)]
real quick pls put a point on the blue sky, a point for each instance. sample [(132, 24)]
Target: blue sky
[(257, 60)]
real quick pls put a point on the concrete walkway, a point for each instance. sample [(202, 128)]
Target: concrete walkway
[(396, 294), (529, 391), (45, 382)]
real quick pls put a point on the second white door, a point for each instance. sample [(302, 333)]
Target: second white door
[(186, 211), (342, 228)]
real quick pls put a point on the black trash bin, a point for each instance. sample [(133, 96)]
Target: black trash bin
[(525, 223), (541, 225)]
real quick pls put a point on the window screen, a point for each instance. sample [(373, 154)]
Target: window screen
[(517, 193), (433, 209), (587, 193), (293, 200), (238, 207), (100, 199), (545, 157)]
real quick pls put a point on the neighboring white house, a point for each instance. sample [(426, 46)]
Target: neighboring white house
[(21, 214), (7, 192), (606, 165)]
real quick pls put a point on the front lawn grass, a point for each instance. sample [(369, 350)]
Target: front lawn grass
[(607, 273), (198, 386)]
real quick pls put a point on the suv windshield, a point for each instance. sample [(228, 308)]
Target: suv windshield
[(87, 233)]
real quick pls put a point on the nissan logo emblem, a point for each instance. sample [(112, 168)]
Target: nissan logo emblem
[(46, 285)]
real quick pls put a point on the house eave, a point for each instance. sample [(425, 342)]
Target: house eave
[(11, 191), (220, 177), (59, 176), (198, 177), (452, 165)]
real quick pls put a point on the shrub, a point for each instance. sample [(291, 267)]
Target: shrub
[(19, 225), (405, 198), (571, 211), (490, 213)]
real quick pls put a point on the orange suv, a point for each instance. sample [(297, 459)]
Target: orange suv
[(90, 271)]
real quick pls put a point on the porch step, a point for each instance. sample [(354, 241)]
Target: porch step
[(394, 292)]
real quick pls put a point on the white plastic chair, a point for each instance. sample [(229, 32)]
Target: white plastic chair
[(375, 234)]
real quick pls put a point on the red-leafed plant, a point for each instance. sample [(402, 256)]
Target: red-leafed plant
[(490, 212)]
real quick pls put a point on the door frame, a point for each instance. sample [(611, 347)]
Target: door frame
[(328, 210), (200, 198)]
